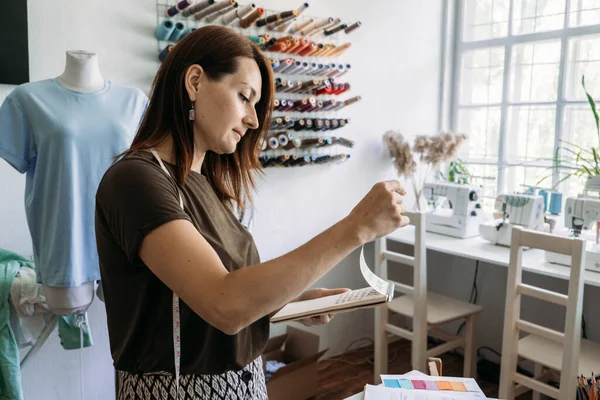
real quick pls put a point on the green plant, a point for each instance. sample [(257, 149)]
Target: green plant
[(577, 160), (456, 172)]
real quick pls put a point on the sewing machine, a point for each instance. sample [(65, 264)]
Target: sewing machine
[(581, 213), (455, 209), (524, 210)]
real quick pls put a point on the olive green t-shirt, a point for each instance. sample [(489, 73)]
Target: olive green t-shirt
[(136, 196)]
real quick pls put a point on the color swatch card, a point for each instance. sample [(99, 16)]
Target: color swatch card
[(387, 393), (422, 382)]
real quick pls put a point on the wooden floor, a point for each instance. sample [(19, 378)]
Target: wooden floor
[(344, 376)]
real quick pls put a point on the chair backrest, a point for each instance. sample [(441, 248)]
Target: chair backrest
[(418, 261), (513, 324), (418, 290)]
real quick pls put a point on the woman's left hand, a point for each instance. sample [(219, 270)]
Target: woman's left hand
[(315, 294)]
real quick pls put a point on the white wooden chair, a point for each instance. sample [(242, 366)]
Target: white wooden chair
[(550, 350), (428, 310)]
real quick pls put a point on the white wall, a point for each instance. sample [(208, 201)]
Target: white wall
[(395, 62)]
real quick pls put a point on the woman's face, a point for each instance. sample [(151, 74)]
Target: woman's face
[(225, 109)]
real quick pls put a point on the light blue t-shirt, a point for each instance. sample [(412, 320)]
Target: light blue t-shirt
[(65, 141)]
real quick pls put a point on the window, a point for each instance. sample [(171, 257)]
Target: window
[(517, 88)]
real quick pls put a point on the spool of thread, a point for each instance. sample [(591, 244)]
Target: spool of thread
[(278, 47), (276, 17), (165, 29), (294, 143), (301, 25), (304, 43), (214, 16), (287, 63), (328, 104), (346, 69), (352, 27), (288, 24), (338, 51), (256, 39), (544, 195), (269, 44), (328, 51), (301, 9), (335, 30), (305, 68), (555, 203), (177, 8), (277, 24), (320, 48), (163, 54), (177, 32), (295, 43), (213, 9), (197, 7), (308, 49), (321, 26), (240, 12), (283, 140), (273, 143), (312, 142), (308, 28), (317, 71), (252, 18), (351, 100)]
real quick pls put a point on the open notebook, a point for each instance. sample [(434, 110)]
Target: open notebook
[(349, 301)]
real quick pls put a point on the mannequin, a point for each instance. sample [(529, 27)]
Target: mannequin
[(64, 133), (81, 74)]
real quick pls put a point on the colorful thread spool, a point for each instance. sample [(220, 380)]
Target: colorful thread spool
[(214, 16), (197, 7), (287, 25), (301, 25), (352, 27), (274, 25), (276, 17), (555, 203), (318, 27), (240, 12), (177, 32), (165, 29), (213, 9), (163, 54), (335, 30), (177, 8), (252, 18)]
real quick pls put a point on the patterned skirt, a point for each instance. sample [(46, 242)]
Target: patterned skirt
[(245, 384)]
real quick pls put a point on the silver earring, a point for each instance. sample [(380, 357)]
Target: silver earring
[(192, 115)]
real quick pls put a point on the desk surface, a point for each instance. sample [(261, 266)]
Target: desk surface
[(479, 249)]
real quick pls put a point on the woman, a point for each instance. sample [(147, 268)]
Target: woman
[(165, 230)]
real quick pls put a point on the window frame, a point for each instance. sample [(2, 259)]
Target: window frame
[(452, 42)]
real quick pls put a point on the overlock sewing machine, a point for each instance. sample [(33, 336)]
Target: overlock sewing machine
[(455, 209), (524, 210), (581, 214)]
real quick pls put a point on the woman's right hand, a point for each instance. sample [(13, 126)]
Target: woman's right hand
[(380, 211)]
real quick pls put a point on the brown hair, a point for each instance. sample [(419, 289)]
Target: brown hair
[(215, 49)]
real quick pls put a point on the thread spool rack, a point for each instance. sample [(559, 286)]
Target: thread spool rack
[(320, 145)]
